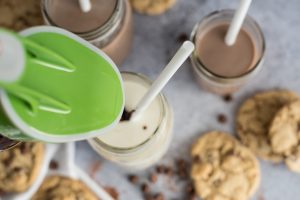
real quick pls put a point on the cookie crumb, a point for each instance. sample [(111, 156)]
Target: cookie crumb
[(222, 118), (145, 188), (133, 178), (95, 167), (227, 98), (145, 127), (182, 37), (153, 178), (112, 191), (53, 165)]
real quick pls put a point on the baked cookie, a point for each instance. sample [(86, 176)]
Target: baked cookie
[(20, 14), (284, 134), (63, 188), (152, 7), (254, 118), (20, 166), (223, 169)]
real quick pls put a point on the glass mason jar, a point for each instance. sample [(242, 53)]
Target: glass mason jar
[(139, 143), (212, 81), (108, 25)]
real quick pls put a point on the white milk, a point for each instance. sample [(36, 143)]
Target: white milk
[(140, 143)]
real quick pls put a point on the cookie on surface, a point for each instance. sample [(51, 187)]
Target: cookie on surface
[(20, 166), (20, 14), (223, 169), (63, 188), (152, 7), (254, 118), (284, 134)]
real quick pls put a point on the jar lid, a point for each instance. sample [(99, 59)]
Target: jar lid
[(68, 15)]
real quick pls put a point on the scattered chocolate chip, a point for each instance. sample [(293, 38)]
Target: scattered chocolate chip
[(112, 191), (222, 118), (148, 197), (168, 171), (53, 165), (145, 188), (160, 169), (153, 178), (190, 189), (145, 127), (182, 37), (158, 196), (133, 178), (227, 98), (126, 115)]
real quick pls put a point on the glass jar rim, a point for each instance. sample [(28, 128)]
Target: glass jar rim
[(201, 68), (162, 102), (103, 31)]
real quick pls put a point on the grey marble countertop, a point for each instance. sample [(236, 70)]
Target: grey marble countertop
[(155, 40)]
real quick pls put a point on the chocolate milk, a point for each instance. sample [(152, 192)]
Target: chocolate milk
[(223, 60), (68, 15)]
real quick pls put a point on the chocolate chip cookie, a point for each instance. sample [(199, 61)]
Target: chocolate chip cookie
[(254, 118), (20, 166), (284, 134), (152, 7), (20, 14), (223, 169), (63, 188)]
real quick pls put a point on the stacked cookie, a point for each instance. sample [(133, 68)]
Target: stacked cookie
[(223, 169), (20, 166), (59, 187), (269, 124)]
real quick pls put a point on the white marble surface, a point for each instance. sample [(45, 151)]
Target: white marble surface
[(195, 110)]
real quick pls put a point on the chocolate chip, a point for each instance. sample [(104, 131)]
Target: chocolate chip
[(145, 188), (160, 169), (17, 169), (133, 179), (145, 127), (53, 165), (227, 98), (222, 118), (112, 191), (126, 115), (182, 37), (196, 159), (190, 189), (168, 171), (24, 148), (158, 196), (153, 178)]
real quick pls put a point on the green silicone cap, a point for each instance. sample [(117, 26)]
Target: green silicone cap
[(69, 90)]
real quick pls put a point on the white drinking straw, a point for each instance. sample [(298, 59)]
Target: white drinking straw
[(181, 55), (85, 5), (237, 22)]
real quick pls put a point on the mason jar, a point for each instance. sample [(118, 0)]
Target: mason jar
[(108, 25), (138, 143), (211, 80)]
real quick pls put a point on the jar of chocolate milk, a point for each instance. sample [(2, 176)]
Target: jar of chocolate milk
[(108, 25), (220, 68)]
